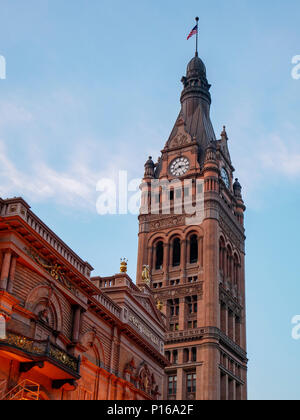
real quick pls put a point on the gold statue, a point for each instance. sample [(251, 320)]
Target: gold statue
[(146, 275), (123, 265), (159, 305)]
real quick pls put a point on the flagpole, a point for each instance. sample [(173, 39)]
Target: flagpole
[(197, 20)]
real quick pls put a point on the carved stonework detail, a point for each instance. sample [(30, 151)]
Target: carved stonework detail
[(179, 292), (167, 223), (181, 139), (230, 303), (55, 271), (228, 228)]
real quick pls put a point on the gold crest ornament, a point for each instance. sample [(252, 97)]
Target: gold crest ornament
[(160, 305), (123, 265)]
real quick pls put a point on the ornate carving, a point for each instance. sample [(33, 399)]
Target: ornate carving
[(180, 140), (167, 223), (42, 348), (180, 292), (55, 271), (146, 275), (147, 382), (229, 301), (123, 265)]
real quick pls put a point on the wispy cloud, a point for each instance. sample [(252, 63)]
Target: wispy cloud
[(282, 156)]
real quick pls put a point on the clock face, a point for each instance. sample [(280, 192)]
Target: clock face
[(179, 166), (225, 177)]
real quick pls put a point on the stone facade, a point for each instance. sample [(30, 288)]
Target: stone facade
[(65, 332), (197, 265)]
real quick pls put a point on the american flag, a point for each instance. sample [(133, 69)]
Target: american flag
[(194, 31)]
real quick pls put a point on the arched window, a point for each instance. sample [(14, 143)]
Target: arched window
[(176, 252), (236, 270), (159, 256), (222, 253), (193, 249), (229, 263)]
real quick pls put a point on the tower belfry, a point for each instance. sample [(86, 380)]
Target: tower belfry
[(197, 270)]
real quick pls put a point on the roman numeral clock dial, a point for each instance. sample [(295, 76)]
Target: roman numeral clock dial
[(179, 166)]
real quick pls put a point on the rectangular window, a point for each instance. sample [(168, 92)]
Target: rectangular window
[(172, 385), (191, 383), (178, 193), (200, 188)]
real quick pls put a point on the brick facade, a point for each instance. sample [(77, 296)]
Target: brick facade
[(197, 265), (65, 333)]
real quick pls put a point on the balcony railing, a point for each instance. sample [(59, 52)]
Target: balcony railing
[(24, 391), (44, 350)]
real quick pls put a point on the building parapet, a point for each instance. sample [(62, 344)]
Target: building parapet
[(18, 207)]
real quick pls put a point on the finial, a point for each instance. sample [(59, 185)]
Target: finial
[(149, 168), (224, 133), (123, 265)]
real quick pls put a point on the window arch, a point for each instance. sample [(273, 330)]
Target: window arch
[(176, 252), (222, 253), (229, 270), (236, 270), (194, 249), (159, 255)]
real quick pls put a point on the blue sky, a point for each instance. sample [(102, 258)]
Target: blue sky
[(93, 87)]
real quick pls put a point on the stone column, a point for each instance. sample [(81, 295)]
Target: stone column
[(5, 270), (231, 390), (224, 387), (151, 261), (237, 331), (76, 324), (180, 356), (200, 252), (224, 319), (198, 383), (182, 314), (183, 259), (166, 264), (231, 325), (12, 273), (210, 373), (180, 385)]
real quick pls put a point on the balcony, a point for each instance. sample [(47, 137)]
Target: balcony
[(51, 360)]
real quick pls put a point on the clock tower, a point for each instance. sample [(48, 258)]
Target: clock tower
[(192, 238)]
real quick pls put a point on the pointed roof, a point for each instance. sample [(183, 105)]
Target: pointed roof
[(195, 105)]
